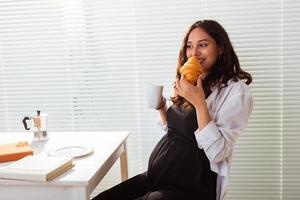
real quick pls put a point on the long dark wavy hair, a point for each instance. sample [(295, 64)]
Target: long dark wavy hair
[(227, 66)]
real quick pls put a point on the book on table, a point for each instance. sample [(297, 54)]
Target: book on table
[(14, 151), (37, 168)]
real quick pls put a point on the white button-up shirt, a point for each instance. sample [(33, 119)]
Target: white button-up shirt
[(229, 110)]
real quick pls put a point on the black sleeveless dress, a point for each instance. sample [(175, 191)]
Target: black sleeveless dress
[(177, 164)]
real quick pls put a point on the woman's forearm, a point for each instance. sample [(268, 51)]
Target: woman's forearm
[(163, 114), (203, 116)]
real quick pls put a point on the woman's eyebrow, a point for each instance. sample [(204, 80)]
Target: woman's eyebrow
[(202, 40)]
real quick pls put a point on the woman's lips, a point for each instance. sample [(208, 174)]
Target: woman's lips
[(201, 61)]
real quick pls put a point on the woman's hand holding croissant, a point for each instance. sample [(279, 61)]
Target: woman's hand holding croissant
[(193, 94)]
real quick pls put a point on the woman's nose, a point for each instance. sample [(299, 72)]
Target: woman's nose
[(195, 52)]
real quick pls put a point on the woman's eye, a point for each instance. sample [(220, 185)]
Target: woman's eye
[(202, 45), (188, 46)]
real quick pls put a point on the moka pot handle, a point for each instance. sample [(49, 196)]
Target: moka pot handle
[(25, 123)]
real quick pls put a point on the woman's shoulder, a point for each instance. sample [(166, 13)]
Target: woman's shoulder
[(238, 87)]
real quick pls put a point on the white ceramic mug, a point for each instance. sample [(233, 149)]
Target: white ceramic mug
[(154, 95)]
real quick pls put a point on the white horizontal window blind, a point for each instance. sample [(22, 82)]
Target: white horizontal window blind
[(86, 63), (291, 99), (112, 75), (255, 30), (33, 63), (74, 60)]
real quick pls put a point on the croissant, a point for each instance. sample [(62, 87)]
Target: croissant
[(191, 70)]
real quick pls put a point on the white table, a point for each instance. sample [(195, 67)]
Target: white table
[(77, 183)]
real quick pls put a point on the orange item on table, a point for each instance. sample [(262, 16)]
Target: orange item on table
[(14, 151), (191, 70)]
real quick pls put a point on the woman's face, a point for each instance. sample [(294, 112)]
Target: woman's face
[(204, 47)]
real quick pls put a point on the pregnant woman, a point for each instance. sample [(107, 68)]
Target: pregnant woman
[(210, 109)]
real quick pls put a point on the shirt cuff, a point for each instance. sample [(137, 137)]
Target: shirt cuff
[(206, 136)]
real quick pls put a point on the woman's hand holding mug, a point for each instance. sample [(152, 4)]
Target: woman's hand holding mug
[(155, 98)]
